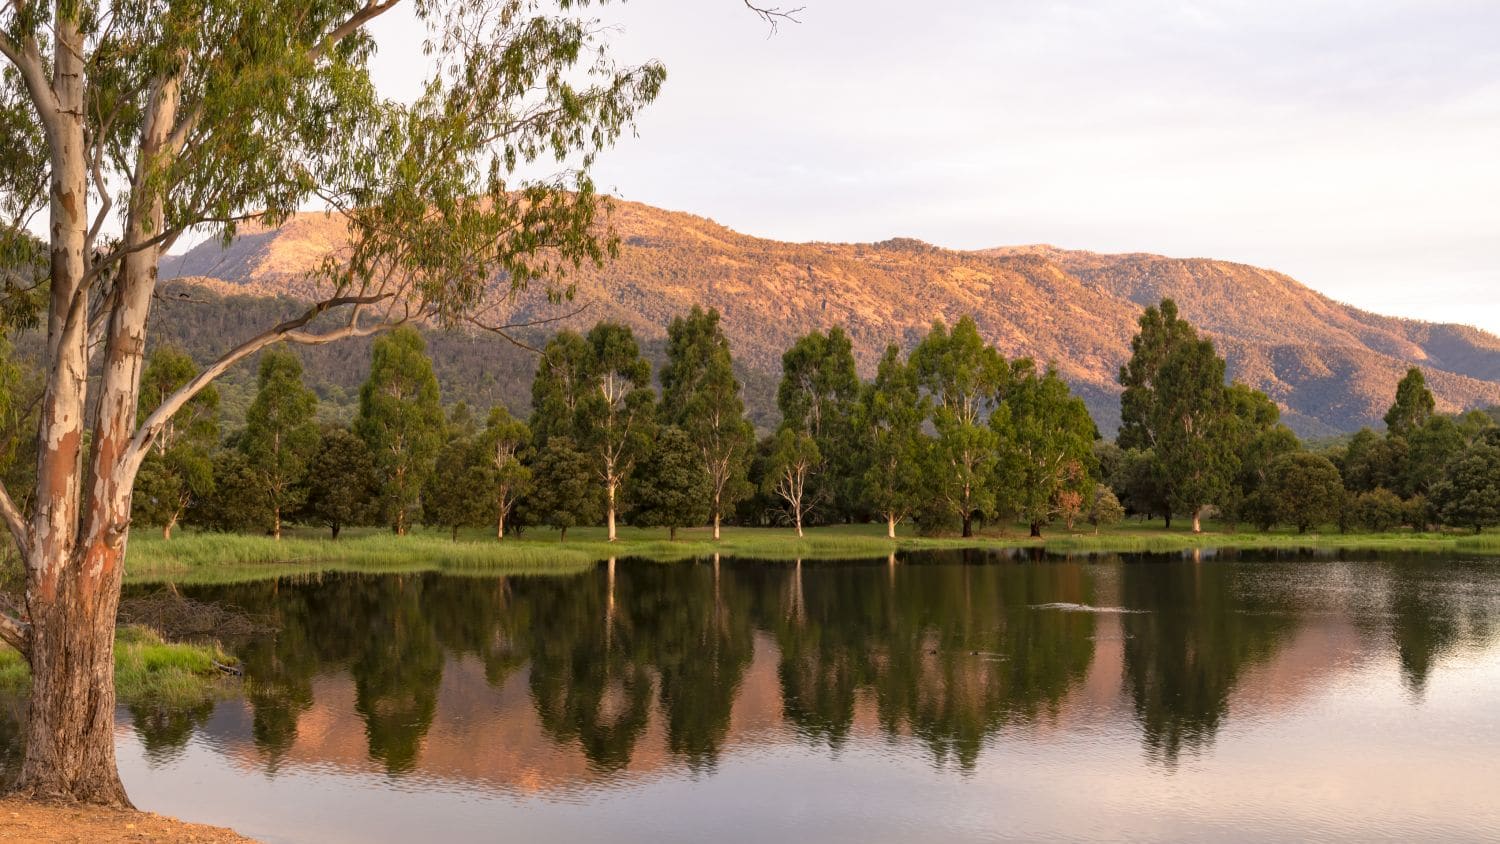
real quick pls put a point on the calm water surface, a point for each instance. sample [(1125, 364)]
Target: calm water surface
[(947, 697)]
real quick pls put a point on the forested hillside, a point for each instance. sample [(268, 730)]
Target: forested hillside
[(1329, 366)]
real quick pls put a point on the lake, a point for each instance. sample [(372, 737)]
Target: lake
[(945, 696)]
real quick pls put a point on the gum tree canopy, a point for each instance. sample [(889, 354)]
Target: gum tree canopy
[(125, 125)]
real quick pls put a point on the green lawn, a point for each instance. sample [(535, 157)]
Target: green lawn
[(210, 557)]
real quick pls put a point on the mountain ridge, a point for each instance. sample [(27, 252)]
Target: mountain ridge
[(1332, 367)]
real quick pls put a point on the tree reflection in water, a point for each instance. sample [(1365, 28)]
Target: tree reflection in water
[(948, 648)]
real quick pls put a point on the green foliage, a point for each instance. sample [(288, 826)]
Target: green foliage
[(1371, 462), (791, 463), (457, 493), (1379, 510), (1104, 509), (1431, 446), (889, 420), (818, 395), (503, 442), (616, 412), (1175, 403), (700, 395), (178, 470), (962, 376), (1046, 446), (559, 388), (341, 482), (280, 435), (236, 503), (1468, 495), (672, 490), (1259, 438), (401, 420), (564, 493), (1305, 490), (1413, 406)]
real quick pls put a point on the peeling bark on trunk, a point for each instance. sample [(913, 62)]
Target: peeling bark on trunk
[(70, 748)]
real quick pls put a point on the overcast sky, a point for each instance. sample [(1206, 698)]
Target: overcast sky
[(1354, 144)]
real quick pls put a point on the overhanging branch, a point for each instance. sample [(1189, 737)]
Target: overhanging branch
[(291, 331)]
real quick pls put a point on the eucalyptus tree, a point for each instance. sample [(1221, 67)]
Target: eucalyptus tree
[(503, 441), (672, 490), (179, 466), (559, 388), (890, 416), (617, 410), (1046, 440), (1176, 404), (1414, 405), (1468, 495), (563, 494), (280, 434), (401, 419), (818, 395), (341, 484), (700, 395), (792, 464), (143, 120), (962, 376), (454, 494)]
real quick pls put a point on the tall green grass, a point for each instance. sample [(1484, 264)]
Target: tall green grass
[(147, 670), (211, 557)]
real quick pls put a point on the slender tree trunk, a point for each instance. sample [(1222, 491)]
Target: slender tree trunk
[(890, 525), (672, 533), (455, 533), (276, 522), (968, 525), (563, 535), (334, 529), (610, 514), (1167, 521), (500, 526), (798, 516), (1197, 520), (716, 521)]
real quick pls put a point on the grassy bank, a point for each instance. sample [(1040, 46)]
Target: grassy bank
[(147, 670), (208, 557)]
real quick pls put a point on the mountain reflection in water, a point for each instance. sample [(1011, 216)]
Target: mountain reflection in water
[(996, 676)]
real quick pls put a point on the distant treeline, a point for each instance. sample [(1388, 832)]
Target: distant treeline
[(949, 436)]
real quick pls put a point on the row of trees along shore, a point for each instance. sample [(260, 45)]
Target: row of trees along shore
[(947, 436)]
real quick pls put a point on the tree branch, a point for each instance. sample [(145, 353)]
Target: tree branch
[(504, 330), (28, 61), (289, 331), (15, 521), (774, 15)]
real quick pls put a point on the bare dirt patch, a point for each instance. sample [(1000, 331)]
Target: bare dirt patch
[(44, 823)]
